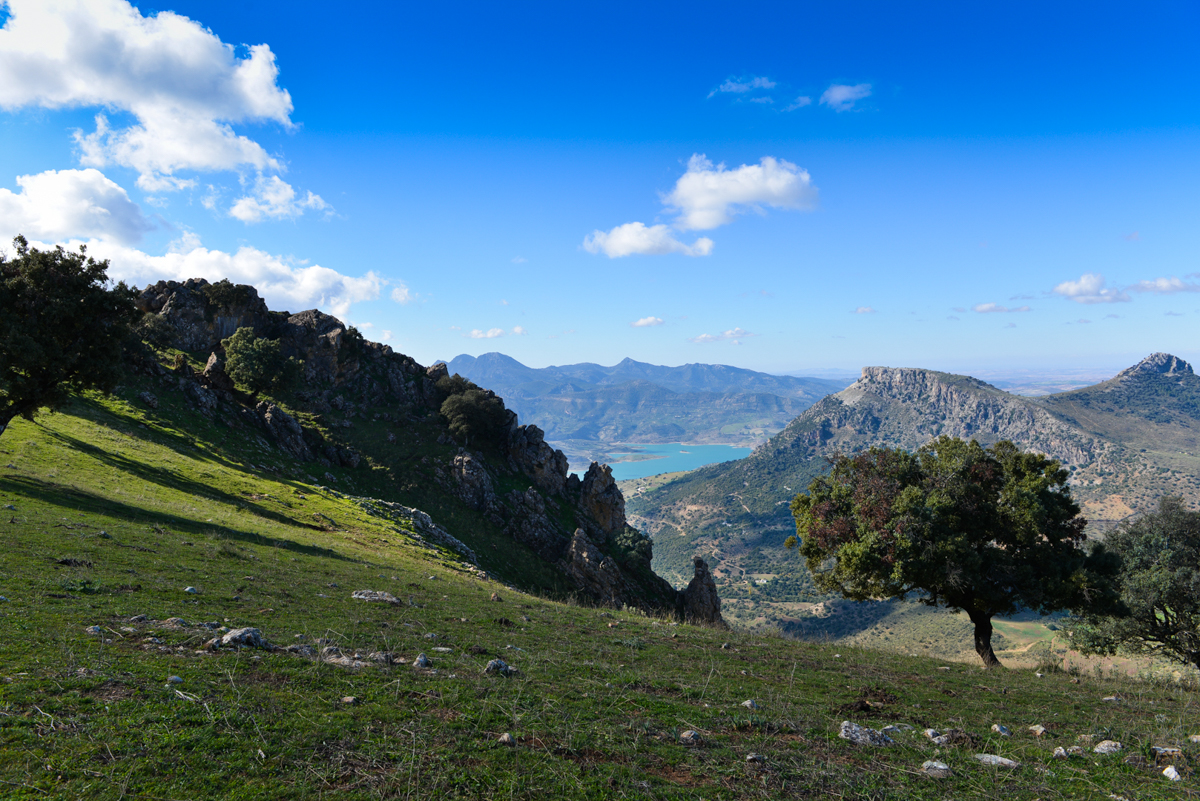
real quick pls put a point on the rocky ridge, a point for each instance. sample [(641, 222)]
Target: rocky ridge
[(347, 378)]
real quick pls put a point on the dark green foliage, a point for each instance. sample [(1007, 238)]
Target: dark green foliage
[(225, 294), (258, 363), (477, 415), (61, 328), (632, 547), (985, 530), (474, 415), (1160, 589)]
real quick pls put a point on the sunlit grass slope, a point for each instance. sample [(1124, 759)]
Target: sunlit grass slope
[(103, 521)]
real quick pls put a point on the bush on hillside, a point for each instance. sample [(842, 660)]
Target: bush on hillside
[(258, 363)]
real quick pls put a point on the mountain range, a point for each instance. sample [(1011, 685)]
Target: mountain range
[(1127, 441), (583, 408)]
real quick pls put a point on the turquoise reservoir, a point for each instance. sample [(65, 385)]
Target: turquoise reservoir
[(638, 461)]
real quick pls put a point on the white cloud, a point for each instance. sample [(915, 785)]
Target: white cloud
[(799, 102), (63, 204), (762, 100), (734, 334), (385, 336), (864, 310), (1090, 288), (636, 238), (841, 97), (274, 198), (403, 295), (1165, 286), (182, 84), (740, 86), (995, 308), (519, 331), (708, 196), (282, 281), (491, 333), (647, 322)]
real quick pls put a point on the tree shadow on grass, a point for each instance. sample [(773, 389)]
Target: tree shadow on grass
[(82, 501), (173, 480)]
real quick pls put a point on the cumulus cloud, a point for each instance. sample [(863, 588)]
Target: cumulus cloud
[(995, 308), (1090, 288), (864, 310), (1166, 286), (734, 334), (183, 86), (274, 198), (519, 331), (403, 295), (740, 86), (284, 282), (638, 238), (385, 336), (841, 97), (647, 322), (63, 204), (708, 196), (491, 333)]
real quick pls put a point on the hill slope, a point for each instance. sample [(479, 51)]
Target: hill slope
[(112, 687)]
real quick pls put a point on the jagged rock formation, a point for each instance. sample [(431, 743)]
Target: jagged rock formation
[(699, 602), (350, 383)]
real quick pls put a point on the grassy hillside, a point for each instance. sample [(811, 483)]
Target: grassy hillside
[(108, 512)]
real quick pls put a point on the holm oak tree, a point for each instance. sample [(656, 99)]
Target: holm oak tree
[(988, 531)]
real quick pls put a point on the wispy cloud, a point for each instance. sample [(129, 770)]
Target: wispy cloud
[(519, 259), (842, 97), (403, 295), (273, 198), (740, 86), (734, 335), (799, 102), (863, 310), (647, 322), (995, 308), (1166, 286), (491, 333), (1091, 288)]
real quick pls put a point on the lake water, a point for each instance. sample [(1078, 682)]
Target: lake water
[(667, 458)]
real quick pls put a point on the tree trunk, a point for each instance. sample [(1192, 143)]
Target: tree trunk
[(983, 639)]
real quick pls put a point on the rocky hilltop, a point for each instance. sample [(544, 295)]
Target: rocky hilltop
[(1127, 441), (367, 418)]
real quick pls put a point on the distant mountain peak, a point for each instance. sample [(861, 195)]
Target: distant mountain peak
[(1158, 363)]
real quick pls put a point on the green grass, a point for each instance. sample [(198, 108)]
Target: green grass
[(111, 520)]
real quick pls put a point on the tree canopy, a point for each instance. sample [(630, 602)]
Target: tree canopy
[(258, 363), (1160, 589), (474, 414), (61, 328), (987, 531)]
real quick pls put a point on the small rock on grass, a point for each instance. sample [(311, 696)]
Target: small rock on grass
[(1001, 730), (496, 597), (245, 638), (1037, 729), (1172, 774), (375, 595), (997, 761), (94, 630), (1069, 751), (507, 739), (191, 590), (421, 661), (691, 737), (757, 759), (1107, 747), (349, 700), (498, 667), (861, 735), (174, 679), (936, 770), (1194, 738), (750, 704)]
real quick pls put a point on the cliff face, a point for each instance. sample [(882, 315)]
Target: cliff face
[(365, 409)]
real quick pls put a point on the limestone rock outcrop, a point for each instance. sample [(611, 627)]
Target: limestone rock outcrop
[(602, 501), (201, 314), (699, 602)]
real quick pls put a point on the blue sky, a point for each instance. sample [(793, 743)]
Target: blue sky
[(776, 186)]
